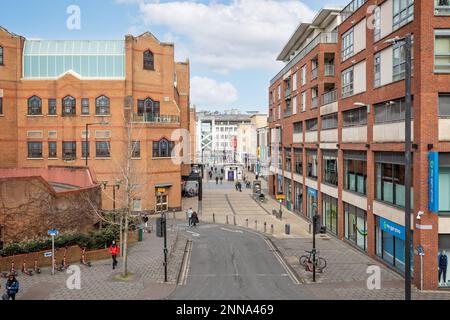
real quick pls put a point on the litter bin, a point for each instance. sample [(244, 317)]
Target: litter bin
[(140, 233), (287, 228)]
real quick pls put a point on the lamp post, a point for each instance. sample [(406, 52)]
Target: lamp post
[(407, 41), (115, 187), (87, 138)]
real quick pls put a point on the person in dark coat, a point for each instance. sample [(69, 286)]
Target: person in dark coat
[(195, 219), (12, 287)]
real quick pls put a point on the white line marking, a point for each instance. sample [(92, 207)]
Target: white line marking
[(187, 261), (281, 261), (229, 230), (195, 234)]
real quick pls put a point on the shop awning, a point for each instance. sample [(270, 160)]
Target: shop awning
[(163, 186)]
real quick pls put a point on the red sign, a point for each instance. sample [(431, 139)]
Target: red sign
[(234, 141)]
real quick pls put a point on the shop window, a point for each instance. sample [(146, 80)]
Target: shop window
[(330, 213), (312, 163), (298, 197), (355, 226)]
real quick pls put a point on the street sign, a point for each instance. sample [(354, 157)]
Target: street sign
[(48, 254), (420, 251), (281, 197), (53, 232), (161, 190)]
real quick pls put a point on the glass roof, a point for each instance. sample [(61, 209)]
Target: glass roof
[(47, 59)]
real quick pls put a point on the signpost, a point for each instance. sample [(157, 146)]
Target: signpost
[(53, 233), (421, 253), (316, 222), (280, 197), (161, 231)]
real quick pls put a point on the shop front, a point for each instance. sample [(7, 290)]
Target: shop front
[(288, 193), (390, 243), (444, 210), (311, 202), (355, 226), (330, 213), (443, 269), (298, 198)]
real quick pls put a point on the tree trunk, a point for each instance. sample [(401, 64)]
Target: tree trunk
[(121, 235), (125, 248)]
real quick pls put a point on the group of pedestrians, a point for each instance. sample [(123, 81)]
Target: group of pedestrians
[(192, 218), (218, 175)]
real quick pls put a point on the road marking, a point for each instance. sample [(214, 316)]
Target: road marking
[(195, 234), (281, 261), (186, 263), (229, 230)]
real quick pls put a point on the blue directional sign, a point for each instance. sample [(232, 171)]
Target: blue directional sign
[(433, 182), (48, 254), (53, 232)]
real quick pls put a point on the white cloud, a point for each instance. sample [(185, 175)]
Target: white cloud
[(211, 93), (242, 34)]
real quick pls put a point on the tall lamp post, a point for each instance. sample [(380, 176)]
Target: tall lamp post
[(87, 138), (407, 42)]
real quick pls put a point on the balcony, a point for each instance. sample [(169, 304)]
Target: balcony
[(149, 118), (329, 97), (314, 73), (351, 8), (329, 70), (314, 102), (442, 7), (324, 37)]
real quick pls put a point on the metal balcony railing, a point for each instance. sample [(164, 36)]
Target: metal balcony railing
[(314, 102), (442, 7), (314, 73), (150, 118), (324, 37), (329, 70), (329, 97), (351, 8)]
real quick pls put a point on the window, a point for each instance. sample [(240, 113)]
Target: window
[(34, 150), (294, 105), (390, 179), (403, 13), (444, 105), (85, 106), (347, 82), (377, 70), (68, 106), (1, 105), (442, 51), (148, 107), (298, 127), (163, 148), (85, 151), (137, 204), (52, 107), (34, 106), (347, 44), (355, 171), (294, 82), (303, 101), (392, 111), (441, 7), (298, 157), (330, 213), (311, 125), (355, 117), (149, 63), (136, 152), (102, 106), (312, 163), (287, 160), (330, 121), (355, 225), (329, 163), (279, 92), (52, 150), (1, 56), (69, 150), (304, 75), (102, 149), (377, 23)]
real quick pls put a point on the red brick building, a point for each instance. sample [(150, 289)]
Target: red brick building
[(129, 92), (342, 148)]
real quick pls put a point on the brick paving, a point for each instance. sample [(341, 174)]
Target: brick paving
[(99, 282)]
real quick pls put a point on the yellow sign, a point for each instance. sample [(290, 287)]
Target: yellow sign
[(161, 190), (281, 197)]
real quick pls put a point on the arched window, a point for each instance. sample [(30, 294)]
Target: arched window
[(148, 107), (1, 56), (163, 148), (102, 105), (69, 106), (34, 106), (149, 62)]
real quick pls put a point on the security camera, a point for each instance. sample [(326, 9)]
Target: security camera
[(419, 214)]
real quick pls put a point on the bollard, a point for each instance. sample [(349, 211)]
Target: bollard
[(246, 223), (271, 229), (227, 219), (214, 218), (234, 220), (287, 228), (265, 227), (256, 224), (174, 215)]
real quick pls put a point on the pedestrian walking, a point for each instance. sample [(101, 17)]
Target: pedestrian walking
[(12, 288), (189, 216), (221, 179), (240, 186), (114, 249), (145, 219), (194, 219), (217, 180)]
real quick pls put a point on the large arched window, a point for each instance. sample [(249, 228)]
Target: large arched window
[(149, 61), (34, 106), (1, 56), (163, 148), (69, 106), (102, 105), (149, 108)]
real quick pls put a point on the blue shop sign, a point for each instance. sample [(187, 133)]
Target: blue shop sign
[(433, 181), (312, 192), (392, 228)]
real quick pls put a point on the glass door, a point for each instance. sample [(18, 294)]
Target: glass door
[(162, 203)]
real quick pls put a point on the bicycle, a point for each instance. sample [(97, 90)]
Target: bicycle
[(306, 261)]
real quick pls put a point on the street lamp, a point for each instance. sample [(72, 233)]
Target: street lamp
[(87, 137), (115, 187), (407, 41)]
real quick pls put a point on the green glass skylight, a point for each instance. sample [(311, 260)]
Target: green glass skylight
[(47, 59)]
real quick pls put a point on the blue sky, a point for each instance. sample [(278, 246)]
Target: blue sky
[(232, 44)]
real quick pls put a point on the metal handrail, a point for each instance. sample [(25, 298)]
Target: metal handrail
[(150, 118), (329, 97)]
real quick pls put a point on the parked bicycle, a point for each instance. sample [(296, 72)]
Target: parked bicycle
[(307, 261)]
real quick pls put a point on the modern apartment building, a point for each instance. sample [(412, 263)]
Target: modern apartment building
[(124, 92), (345, 155)]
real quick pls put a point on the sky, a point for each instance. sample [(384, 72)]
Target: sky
[(232, 45)]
